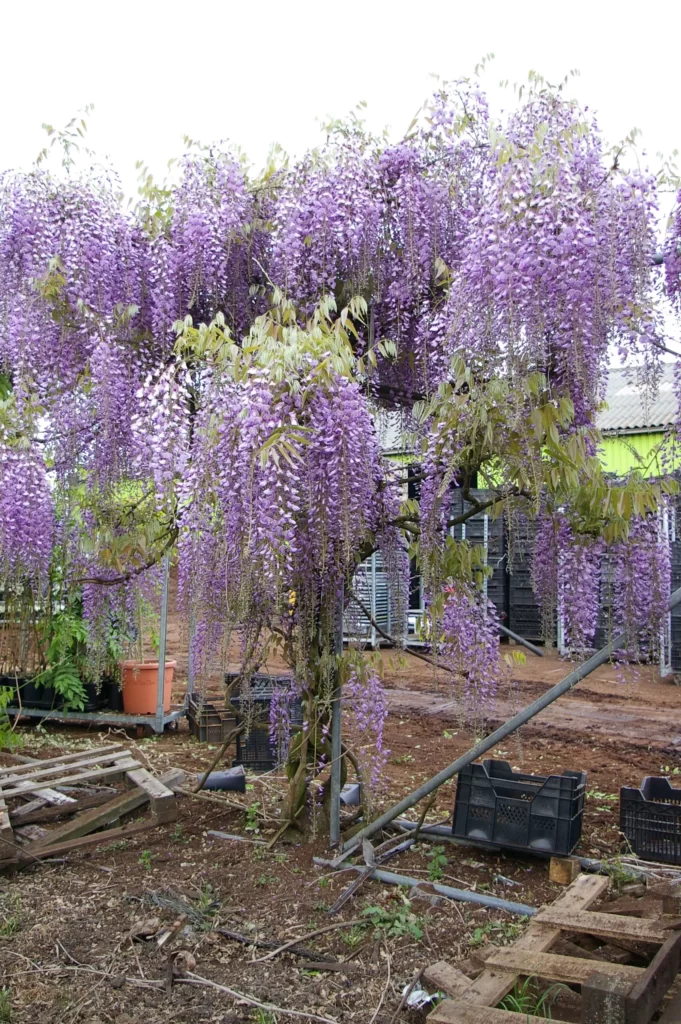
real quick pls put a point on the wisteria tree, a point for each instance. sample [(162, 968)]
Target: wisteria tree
[(202, 375)]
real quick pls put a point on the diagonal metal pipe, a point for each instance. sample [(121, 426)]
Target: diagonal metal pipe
[(524, 716)]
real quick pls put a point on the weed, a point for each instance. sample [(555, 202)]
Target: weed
[(437, 862), (120, 844), (323, 883), (252, 815), (264, 1017), (496, 932), (320, 905), (281, 858), (394, 923), (177, 835), (526, 999), (146, 859), (404, 759), (206, 900), (667, 769), (353, 937), (11, 917), (266, 879), (5, 1005)]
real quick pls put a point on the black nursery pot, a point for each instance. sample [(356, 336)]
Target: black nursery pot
[(112, 694), (42, 697), (12, 682)]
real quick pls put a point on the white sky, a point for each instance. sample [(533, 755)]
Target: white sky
[(264, 72)]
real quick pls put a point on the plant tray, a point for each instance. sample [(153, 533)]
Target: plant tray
[(209, 722), (496, 806), (650, 820), (254, 749)]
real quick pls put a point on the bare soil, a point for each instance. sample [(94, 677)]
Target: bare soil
[(66, 953)]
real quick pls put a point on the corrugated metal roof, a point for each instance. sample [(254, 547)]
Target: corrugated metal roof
[(631, 406)]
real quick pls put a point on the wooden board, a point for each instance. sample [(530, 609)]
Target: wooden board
[(95, 818), (33, 852), (493, 984), (6, 833), (605, 926), (570, 970), (456, 1011), (446, 978), (8, 783), (163, 800), (122, 766), (43, 812), (655, 981), (30, 763)]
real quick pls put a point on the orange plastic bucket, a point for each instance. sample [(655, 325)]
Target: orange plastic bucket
[(140, 686)]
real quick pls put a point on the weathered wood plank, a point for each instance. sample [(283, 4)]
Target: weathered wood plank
[(655, 981), (604, 999), (605, 926), (492, 985), (570, 970), (77, 771), (31, 763), (120, 768), (453, 1011), (35, 852), (163, 800), (563, 870), (446, 978), (42, 812), (95, 818), (6, 832)]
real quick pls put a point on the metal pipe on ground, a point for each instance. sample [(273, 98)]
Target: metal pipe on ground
[(461, 895), (520, 640), (524, 716)]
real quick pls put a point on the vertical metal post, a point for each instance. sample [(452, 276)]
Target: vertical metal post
[(190, 665), (334, 824), (373, 600), (485, 544), (162, 643)]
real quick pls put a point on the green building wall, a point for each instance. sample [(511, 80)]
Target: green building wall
[(619, 453)]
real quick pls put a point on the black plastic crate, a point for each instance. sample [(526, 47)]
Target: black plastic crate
[(209, 722), (650, 820), (496, 806), (254, 750)]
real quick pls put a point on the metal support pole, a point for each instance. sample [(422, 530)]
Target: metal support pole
[(594, 662), (374, 637), (334, 824), (190, 665), (520, 640), (162, 641)]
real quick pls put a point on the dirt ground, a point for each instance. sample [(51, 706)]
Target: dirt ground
[(67, 947)]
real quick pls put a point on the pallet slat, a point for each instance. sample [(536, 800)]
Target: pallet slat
[(605, 926), (456, 1011), (77, 770), (36, 762), (492, 985), (120, 768), (446, 978), (570, 970)]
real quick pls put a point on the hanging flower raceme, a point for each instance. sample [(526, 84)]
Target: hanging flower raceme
[(641, 584), (26, 515), (471, 643), (366, 708), (557, 263), (199, 264)]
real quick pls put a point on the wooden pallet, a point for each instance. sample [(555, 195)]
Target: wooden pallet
[(54, 788), (611, 993)]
